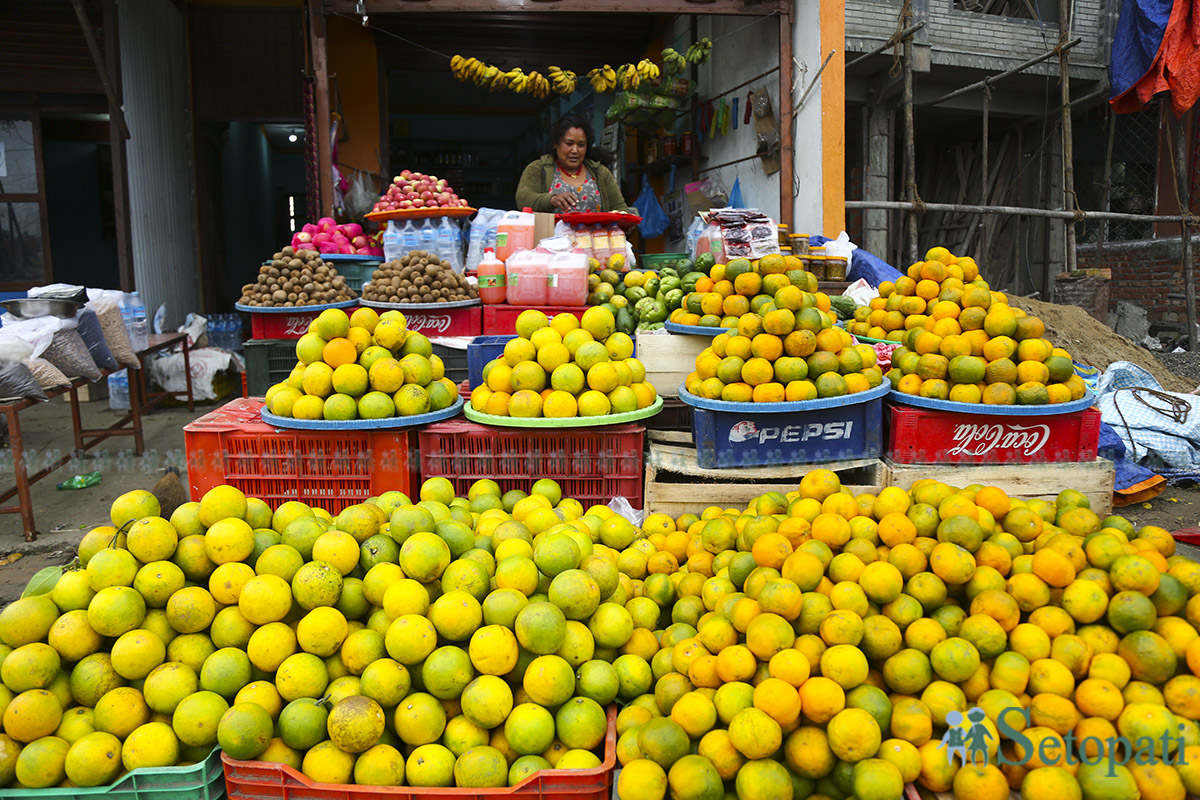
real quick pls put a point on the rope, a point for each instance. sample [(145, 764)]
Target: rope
[(901, 23), (918, 203), (1175, 409)]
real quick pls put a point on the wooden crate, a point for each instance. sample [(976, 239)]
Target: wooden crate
[(1026, 481), (676, 485), (669, 359)]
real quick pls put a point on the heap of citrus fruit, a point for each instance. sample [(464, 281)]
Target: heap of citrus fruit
[(816, 643), (453, 641), (362, 366), (740, 292), (772, 366), (963, 342), (565, 367)]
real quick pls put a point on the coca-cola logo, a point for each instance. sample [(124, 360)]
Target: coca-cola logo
[(297, 325), (429, 322), (977, 439)]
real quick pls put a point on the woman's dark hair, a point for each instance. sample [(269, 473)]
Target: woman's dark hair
[(568, 121)]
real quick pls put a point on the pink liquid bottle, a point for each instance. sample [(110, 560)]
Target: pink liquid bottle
[(514, 232), (491, 278)]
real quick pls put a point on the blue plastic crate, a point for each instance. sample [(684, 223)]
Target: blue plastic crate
[(480, 351), (834, 429)]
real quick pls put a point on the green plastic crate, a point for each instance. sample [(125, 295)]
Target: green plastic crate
[(268, 361), (657, 260), (204, 780)]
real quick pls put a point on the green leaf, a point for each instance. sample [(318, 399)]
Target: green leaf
[(43, 582)]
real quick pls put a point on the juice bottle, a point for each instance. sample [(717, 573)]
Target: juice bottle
[(514, 232), (525, 272), (600, 246), (567, 281), (616, 242), (491, 278)]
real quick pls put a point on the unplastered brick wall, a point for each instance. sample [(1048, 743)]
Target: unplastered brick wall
[(1148, 273)]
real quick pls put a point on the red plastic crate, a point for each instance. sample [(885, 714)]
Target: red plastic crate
[(260, 780), (592, 465), (923, 436), (283, 326), (331, 469), (501, 318), (467, 321)]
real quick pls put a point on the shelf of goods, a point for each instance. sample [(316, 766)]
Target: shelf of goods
[(333, 469)]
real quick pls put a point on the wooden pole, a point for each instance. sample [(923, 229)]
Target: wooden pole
[(1015, 211), (1181, 189), (1106, 187), (116, 139), (320, 69), (910, 151), (984, 174), (787, 154), (1068, 142), (1001, 76)]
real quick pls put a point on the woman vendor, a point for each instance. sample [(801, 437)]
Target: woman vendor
[(566, 179)]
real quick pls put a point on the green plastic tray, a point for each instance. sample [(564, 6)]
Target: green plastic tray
[(563, 422), (869, 340), (204, 780)]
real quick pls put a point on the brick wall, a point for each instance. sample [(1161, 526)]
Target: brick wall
[(1148, 273)]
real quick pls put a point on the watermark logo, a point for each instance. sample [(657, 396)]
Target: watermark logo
[(969, 743)]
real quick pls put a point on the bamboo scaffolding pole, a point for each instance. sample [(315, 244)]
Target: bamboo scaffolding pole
[(1018, 211), (1001, 76)]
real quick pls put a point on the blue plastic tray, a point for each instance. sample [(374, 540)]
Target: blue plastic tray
[(696, 330), (565, 422), (341, 258), (362, 424), (1087, 401), (293, 309), (783, 408)]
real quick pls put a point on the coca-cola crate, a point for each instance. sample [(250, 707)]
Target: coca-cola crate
[(286, 323), (924, 436), (330, 469), (464, 321), (501, 318)]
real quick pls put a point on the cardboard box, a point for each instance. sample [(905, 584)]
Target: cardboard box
[(543, 225)]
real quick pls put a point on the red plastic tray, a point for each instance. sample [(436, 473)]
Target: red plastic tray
[(626, 221), (501, 318), (460, 212), (922, 436), (331, 469), (259, 780), (592, 465)]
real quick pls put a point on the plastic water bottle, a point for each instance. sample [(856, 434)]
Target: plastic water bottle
[(429, 237), (410, 238), (235, 332), (448, 249), (475, 247), (118, 391), (393, 245), (136, 322)]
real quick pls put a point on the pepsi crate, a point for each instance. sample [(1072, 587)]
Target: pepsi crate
[(480, 351), (731, 435)]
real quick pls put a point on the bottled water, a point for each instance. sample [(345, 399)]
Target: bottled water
[(118, 391), (448, 249), (135, 321), (410, 238), (393, 244), (429, 237)]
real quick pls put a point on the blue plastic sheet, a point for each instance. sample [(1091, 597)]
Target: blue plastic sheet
[(863, 265)]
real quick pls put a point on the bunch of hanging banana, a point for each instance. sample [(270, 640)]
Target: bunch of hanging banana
[(562, 80), (628, 77), (515, 79), (699, 52), (466, 69), (647, 70), (603, 79), (537, 85), (673, 63)]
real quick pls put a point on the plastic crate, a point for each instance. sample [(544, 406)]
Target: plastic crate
[(464, 321), (924, 436), (357, 273), (482, 350), (657, 261), (261, 780), (453, 359), (675, 415), (840, 432), (204, 780), (331, 469), (291, 325), (592, 465), (501, 318), (268, 361)]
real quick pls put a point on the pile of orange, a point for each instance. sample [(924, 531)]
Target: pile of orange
[(775, 361), (963, 342), (745, 289)]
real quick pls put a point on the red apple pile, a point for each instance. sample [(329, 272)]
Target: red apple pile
[(417, 190), (328, 237)]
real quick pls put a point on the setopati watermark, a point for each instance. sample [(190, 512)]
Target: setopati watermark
[(970, 744)]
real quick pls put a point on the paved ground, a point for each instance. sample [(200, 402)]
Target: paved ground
[(63, 516)]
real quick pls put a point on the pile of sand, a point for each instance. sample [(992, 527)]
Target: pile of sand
[(1095, 344)]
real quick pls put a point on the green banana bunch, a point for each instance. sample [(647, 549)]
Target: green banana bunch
[(673, 62), (628, 77), (698, 53)]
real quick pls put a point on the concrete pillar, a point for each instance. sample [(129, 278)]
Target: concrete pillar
[(819, 194), (877, 178)]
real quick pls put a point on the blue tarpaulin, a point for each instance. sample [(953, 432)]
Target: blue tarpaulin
[(1136, 42), (863, 264)]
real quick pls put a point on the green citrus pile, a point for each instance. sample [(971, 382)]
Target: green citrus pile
[(362, 366)]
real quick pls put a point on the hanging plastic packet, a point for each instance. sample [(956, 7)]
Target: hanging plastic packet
[(735, 194)]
